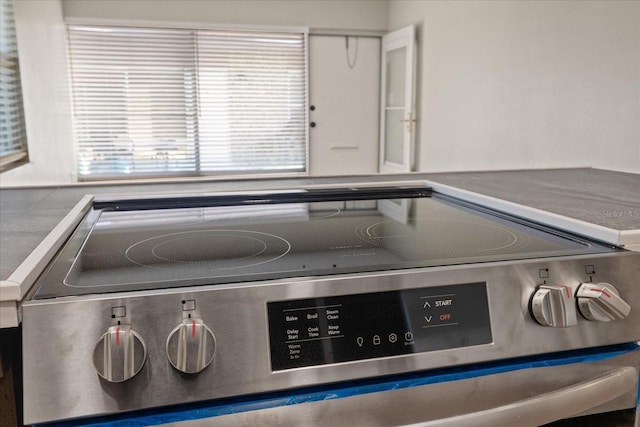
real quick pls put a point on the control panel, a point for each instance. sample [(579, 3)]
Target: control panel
[(158, 349), (319, 331)]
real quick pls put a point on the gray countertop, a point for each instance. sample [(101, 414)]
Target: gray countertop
[(604, 198)]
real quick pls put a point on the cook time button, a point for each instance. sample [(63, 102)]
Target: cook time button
[(313, 328)]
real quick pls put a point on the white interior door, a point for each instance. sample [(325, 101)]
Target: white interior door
[(344, 94), (397, 118)]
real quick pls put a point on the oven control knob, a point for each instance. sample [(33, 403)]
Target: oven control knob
[(120, 354), (601, 302), (191, 346), (554, 306)]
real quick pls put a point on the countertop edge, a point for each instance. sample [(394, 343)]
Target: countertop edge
[(14, 289), (594, 231)]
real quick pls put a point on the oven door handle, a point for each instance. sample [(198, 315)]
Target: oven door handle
[(559, 404)]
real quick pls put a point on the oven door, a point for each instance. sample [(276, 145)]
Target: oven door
[(529, 392)]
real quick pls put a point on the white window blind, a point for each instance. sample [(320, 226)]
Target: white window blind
[(152, 102), (13, 138)]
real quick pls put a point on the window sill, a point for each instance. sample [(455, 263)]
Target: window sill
[(11, 161)]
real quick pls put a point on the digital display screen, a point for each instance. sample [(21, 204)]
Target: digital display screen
[(320, 331)]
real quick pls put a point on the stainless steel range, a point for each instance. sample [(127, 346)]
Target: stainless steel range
[(163, 301)]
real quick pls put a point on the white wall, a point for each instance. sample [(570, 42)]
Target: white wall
[(526, 84), (351, 14), (45, 89)]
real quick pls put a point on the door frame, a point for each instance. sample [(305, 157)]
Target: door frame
[(404, 37)]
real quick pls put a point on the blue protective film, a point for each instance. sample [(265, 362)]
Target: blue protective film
[(351, 388)]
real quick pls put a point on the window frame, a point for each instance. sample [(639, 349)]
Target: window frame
[(199, 174), (20, 156)]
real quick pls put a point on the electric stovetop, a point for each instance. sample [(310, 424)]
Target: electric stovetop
[(140, 248)]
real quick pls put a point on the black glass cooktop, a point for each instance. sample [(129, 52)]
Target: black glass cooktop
[(150, 248)]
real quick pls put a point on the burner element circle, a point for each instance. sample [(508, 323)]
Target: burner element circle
[(219, 249), (435, 238)]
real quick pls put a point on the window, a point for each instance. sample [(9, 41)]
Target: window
[(13, 137), (152, 102)]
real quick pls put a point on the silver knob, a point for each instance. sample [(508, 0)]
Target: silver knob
[(601, 302), (191, 346), (554, 306), (120, 354)]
